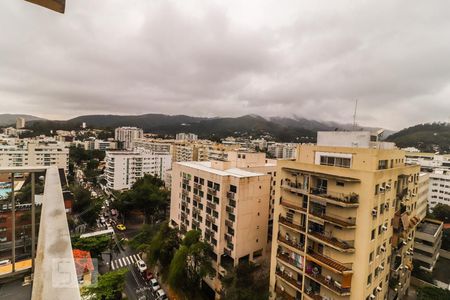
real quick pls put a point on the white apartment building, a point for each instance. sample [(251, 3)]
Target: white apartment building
[(439, 187), (23, 153), (124, 168), (229, 202), (422, 197), (283, 150), (186, 137), (153, 145), (99, 145), (127, 135)]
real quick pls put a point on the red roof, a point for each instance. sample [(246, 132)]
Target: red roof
[(446, 225), (83, 261)]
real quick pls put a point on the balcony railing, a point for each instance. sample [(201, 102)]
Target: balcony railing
[(329, 283), (328, 262), (337, 198), (297, 244), (344, 246), (293, 206), (295, 187), (287, 259), (347, 223), (291, 224), (295, 283), (230, 195)]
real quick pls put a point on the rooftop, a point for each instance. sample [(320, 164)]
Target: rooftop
[(429, 227), (206, 166)]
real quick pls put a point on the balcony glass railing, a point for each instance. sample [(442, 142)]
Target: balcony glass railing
[(328, 238)]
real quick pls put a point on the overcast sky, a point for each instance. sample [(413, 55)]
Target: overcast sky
[(308, 59)]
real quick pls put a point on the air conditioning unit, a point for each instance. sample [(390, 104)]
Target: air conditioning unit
[(411, 249), (372, 296), (413, 194), (408, 253), (384, 228), (409, 238), (374, 212), (382, 189), (386, 205), (383, 249), (388, 186), (404, 242), (381, 268), (379, 289)]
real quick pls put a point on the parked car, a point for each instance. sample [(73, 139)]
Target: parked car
[(140, 264), (155, 285), (161, 295), (148, 275)]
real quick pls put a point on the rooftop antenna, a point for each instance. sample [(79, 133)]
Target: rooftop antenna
[(354, 115)]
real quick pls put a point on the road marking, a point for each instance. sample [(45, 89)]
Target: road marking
[(120, 262), (128, 261)]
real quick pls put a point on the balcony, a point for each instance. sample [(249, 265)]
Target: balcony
[(328, 282), (197, 198), (230, 195), (335, 198), (343, 246), (54, 264), (296, 207), (294, 187), (288, 279), (212, 191), (291, 262), (210, 218), (229, 223), (281, 294), (198, 186), (229, 209), (297, 245), (291, 224), (211, 205), (329, 263), (335, 220)]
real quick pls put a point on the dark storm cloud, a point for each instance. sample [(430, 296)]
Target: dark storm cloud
[(214, 59)]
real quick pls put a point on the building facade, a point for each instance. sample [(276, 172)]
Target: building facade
[(20, 123), (22, 153), (126, 135), (229, 202), (186, 136), (124, 168), (427, 244), (423, 192), (337, 229)]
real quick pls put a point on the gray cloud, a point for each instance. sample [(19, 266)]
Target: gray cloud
[(207, 58)]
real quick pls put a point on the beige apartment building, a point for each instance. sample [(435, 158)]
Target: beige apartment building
[(344, 220), (229, 201)]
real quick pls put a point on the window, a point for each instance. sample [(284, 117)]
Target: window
[(369, 279), (339, 183), (373, 234), (335, 161), (371, 257), (382, 164), (233, 188), (377, 189)]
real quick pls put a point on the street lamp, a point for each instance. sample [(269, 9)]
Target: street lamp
[(55, 5)]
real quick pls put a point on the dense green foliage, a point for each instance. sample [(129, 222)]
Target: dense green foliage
[(96, 244), (441, 212), (84, 206), (429, 137), (163, 246), (246, 282), (446, 239), (108, 287), (79, 155), (431, 293), (147, 195), (189, 265)]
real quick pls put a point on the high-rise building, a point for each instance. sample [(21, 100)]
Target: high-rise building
[(20, 123), (422, 197), (186, 137), (126, 135), (229, 201), (283, 150), (344, 220), (427, 244), (124, 168)]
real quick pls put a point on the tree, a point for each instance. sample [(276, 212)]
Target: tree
[(163, 246), (431, 293), (246, 282), (442, 212), (147, 195), (446, 239), (96, 244), (190, 264), (84, 206), (108, 287)]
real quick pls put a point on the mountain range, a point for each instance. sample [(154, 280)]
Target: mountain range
[(283, 129), (9, 119)]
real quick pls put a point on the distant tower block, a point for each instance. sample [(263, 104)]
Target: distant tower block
[(83, 125), (20, 123)]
